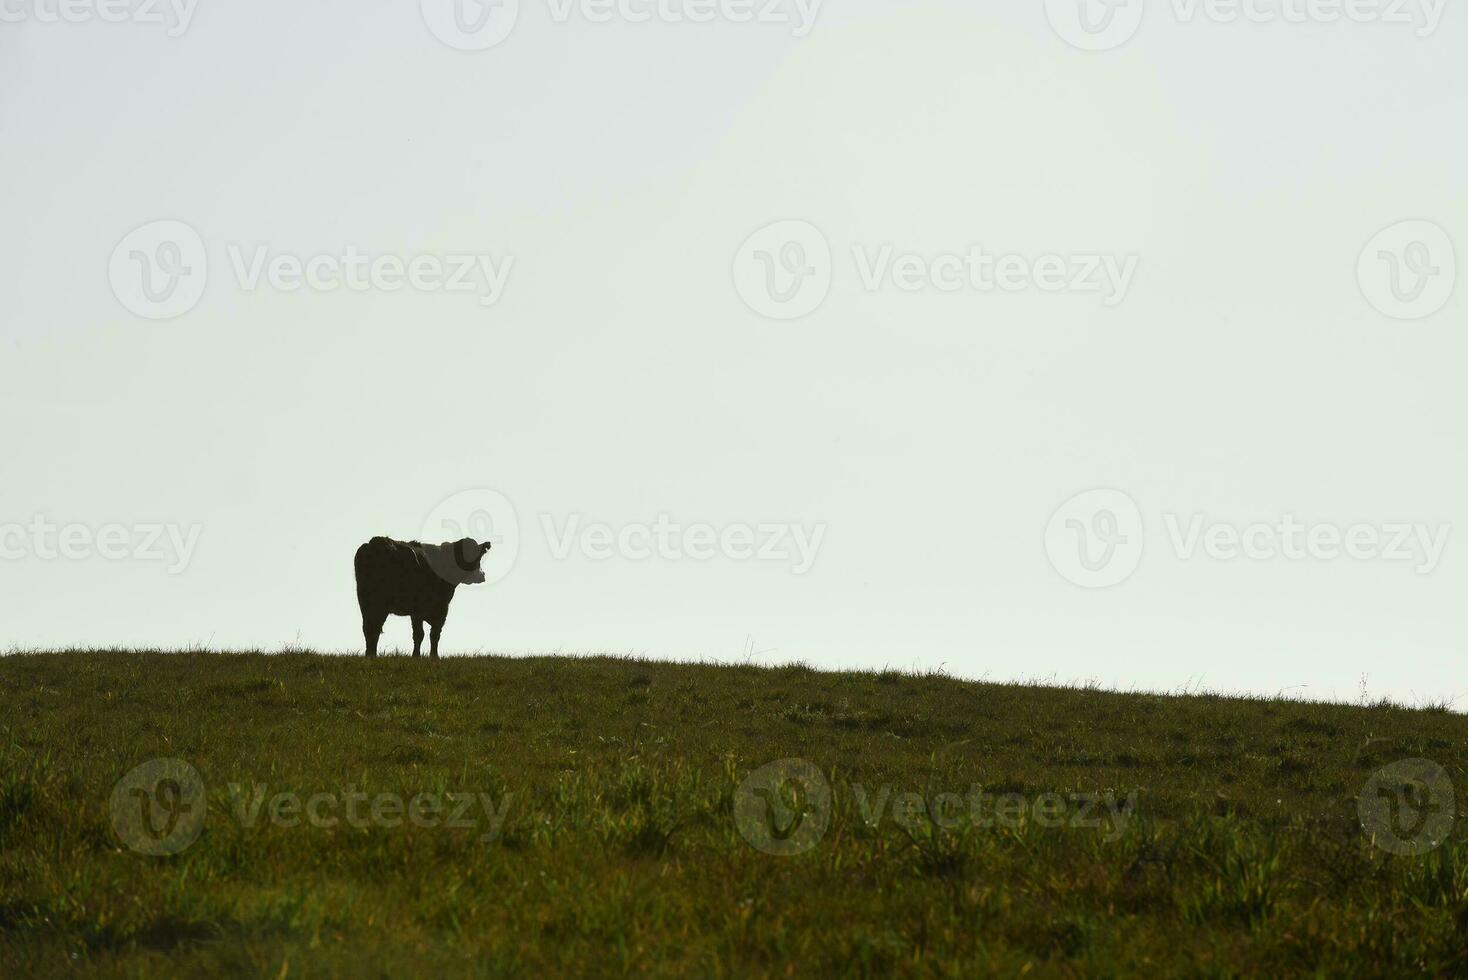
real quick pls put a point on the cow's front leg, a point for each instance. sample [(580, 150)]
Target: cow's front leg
[(372, 629), (417, 636), (437, 630)]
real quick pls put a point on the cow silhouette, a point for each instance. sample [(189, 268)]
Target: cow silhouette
[(409, 578)]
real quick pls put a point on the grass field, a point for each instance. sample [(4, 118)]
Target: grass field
[(337, 816)]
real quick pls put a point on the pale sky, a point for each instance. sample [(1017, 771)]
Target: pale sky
[(1200, 315)]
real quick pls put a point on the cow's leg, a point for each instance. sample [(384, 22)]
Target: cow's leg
[(437, 630), (417, 636), (372, 624)]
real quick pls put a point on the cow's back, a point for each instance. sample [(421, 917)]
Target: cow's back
[(388, 576), (374, 561)]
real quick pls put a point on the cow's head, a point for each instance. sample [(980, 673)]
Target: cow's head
[(468, 554)]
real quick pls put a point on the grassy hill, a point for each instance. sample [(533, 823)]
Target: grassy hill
[(335, 816)]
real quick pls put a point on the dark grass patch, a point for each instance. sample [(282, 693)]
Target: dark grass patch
[(1241, 851)]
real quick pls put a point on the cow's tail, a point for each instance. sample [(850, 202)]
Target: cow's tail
[(361, 566)]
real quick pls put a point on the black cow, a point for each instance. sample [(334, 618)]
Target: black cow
[(409, 578)]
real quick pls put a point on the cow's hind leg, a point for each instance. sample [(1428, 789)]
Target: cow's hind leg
[(372, 624), (418, 637)]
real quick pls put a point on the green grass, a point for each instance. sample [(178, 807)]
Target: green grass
[(1233, 844)]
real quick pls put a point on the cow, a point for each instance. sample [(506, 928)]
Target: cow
[(409, 578)]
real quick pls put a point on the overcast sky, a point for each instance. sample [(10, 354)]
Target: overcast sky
[(1065, 340)]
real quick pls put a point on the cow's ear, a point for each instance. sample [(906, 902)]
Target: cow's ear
[(484, 549)]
